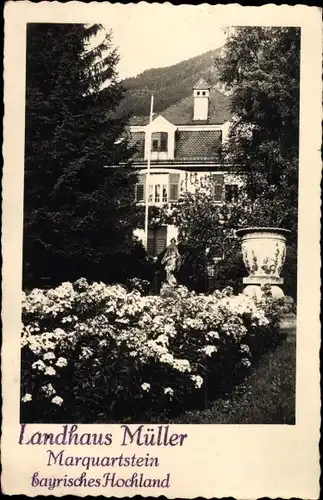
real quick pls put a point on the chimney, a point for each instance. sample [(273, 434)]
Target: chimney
[(201, 94)]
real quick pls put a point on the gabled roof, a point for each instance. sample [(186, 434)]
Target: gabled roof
[(202, 85), (181, 113), (139, 120)]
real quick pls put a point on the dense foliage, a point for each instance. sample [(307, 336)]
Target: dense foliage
[(169, 84), (100, 353), (77, 214), (260, 70)]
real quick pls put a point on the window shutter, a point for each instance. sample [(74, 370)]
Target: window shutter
[(161, 235), (217, 186), (140, 188), (173, 187), (151, 242), (156, 241)]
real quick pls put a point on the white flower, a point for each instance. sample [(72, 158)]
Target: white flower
[(162, 339), (57, 400), (166, 358), (145, 387), (246, 362), (50, 371), (182, 365), (244, 348), (27, 397), (48, 389), (209, 350), (169, 390), (40, 365), (198, 381), (86, 353), (213, 335), (48, 356), (61, 362)]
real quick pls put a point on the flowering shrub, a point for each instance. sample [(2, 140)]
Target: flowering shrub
[(138, 284), (97, 352)]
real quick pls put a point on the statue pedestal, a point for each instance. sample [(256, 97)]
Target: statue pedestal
[(167, 290), (253, 288)]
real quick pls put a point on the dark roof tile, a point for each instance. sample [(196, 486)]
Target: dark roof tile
[(181, 113), (191, 145), (198, 143), (137, 141)]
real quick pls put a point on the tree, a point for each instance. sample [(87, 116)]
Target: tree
[(260, 70), (78, 207)]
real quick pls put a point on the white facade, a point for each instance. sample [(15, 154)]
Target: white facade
[(183, 156), (159, 126), (188, 181)]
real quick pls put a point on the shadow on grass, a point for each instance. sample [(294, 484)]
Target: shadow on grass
[(266, 396)]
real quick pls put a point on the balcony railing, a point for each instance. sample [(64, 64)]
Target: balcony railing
[(183, 159)]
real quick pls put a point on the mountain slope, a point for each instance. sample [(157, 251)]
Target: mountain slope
[(169, 84)]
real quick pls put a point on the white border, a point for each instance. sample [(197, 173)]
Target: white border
[(240, 461)]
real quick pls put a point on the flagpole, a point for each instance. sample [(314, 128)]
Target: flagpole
[(147, 173)]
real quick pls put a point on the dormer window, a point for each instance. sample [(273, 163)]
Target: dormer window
[(159, 142)]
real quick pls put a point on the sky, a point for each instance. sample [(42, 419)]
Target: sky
[(158, 35)]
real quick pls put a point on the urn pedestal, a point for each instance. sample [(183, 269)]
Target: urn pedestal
[(264, 253)]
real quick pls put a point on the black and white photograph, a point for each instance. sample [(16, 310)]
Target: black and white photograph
[(167, 253), (160, 225)]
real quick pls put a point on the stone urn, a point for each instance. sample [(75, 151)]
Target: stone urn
[(263, 252)]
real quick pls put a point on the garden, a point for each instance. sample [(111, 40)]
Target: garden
[(106, 347), (101, 353)]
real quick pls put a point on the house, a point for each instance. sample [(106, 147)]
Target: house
[(184, 142)]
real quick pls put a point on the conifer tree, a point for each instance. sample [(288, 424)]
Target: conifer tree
[(78, 202)]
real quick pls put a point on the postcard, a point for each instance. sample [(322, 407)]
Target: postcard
[(161, 258)]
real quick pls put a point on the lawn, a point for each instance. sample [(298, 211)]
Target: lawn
[(266, 396)]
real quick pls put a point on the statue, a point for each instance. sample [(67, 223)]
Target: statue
[(171, 262)]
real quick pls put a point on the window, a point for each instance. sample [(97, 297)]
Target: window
[(155, 145), (159, 142), (217, 187), (140, 189), (203, 93), (231, 192), (173, 187), (163, 187), (157, 193), (198, 93), (164, 193), (156, 240)]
